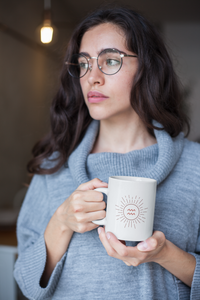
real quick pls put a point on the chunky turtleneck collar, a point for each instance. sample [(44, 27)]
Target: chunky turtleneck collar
[(155, 161)]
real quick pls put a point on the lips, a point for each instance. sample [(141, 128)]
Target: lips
[(95, 97)]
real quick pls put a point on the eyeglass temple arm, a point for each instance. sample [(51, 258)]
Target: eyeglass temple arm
[(69, 63), (127, 55)]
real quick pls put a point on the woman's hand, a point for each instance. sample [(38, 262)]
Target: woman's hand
[(82, 207), (155, 249), (148, 251), (76, 213)]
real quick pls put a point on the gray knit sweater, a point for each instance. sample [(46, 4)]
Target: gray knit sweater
[(86, 272)]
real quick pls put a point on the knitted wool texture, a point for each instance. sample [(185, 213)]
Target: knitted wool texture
[(86, 271)]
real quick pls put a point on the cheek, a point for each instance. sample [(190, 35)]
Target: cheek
[(123, 87)]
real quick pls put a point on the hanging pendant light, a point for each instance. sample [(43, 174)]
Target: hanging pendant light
[(46, 32)]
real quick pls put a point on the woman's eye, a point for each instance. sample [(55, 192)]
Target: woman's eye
[(112, 62), (83, 65)]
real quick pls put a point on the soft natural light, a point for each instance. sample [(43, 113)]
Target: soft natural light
[(46, 34)]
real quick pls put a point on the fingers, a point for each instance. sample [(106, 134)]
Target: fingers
[(89, 217), (84, 206), (84, 227), (87, 196), (113, 246), (119, 247), (98, 215), (95, 206), (102, 236), (127, 264), (152, 248), (92, 184), (90, 196), (87, 201), (148, 245), (155, 241)]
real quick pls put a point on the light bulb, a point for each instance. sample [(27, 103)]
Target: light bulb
[(46, 34)]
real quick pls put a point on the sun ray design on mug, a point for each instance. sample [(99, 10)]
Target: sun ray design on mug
[(131, 211)]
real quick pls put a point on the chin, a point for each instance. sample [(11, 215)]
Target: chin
[(98, 115)]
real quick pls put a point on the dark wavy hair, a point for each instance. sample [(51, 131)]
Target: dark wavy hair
[(155, 93)]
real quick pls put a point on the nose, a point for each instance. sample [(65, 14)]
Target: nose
[(95, 75)]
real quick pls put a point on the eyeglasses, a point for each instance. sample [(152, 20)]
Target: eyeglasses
[(109, 62)]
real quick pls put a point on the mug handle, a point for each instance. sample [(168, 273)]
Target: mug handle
[(102, 221)]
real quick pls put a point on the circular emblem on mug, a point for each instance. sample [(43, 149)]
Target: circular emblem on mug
[(131, 211)]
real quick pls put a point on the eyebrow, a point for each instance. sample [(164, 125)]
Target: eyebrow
[(102, 49)]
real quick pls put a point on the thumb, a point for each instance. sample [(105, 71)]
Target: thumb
[(92, 184), (155, 241)]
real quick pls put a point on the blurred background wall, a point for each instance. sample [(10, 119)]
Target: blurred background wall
[(29, 70)]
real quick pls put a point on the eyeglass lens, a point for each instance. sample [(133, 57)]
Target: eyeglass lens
[(109, 62)]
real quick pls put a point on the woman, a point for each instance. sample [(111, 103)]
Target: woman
[(117, 112)]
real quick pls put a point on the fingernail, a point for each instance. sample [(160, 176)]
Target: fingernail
[(108, 236), (99, 230), (142, 246)]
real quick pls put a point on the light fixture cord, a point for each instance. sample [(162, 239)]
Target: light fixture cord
[(47, 4)]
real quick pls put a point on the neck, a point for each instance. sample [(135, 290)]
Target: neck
[(122, 137)]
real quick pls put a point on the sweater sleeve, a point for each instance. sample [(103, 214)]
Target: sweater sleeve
[(33, 219), (195, 288)]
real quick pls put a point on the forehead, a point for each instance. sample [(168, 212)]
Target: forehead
[(103, 36)]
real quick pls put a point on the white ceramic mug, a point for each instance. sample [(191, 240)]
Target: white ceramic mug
[(130, 207)]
